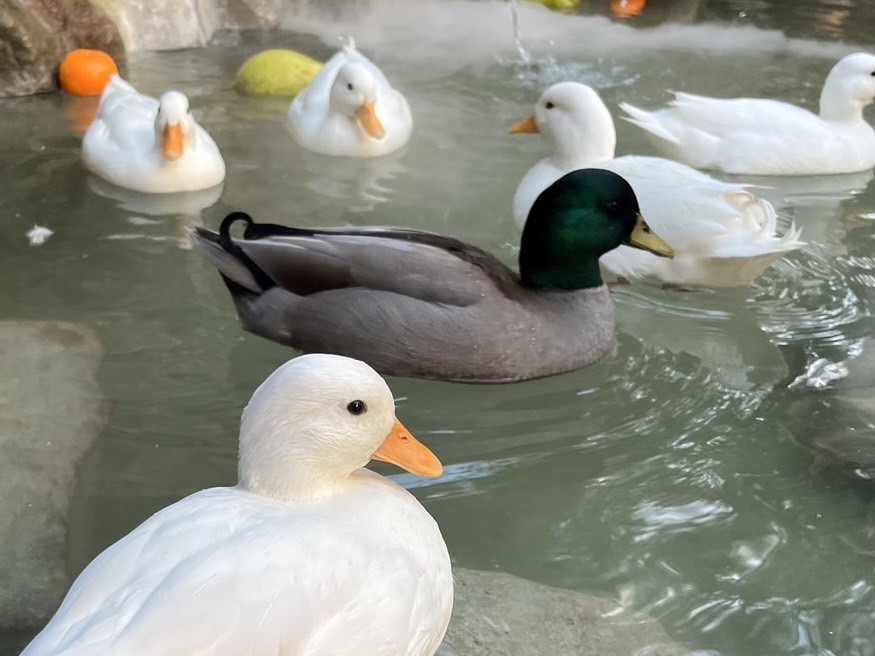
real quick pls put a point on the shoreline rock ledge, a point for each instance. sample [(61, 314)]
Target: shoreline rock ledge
[(36, 34), (497, 614)]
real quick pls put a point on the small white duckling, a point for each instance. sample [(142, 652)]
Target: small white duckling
[(721, 233), (148, 145), (767, 137), (309, 553), (350, 109)]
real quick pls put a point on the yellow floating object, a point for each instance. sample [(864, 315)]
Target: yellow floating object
[(276, 72), (559, 5)]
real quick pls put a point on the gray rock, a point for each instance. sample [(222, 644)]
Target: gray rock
[(250, 14), (51, 410), (498, 614), (36, 34), (163, 24), (172, 24)]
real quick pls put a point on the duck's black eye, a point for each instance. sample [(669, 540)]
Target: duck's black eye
[(357, 407), (872, 73), (349, 85), (549, 105), (612, 205)]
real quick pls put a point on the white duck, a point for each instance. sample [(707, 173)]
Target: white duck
[(149, 145), (350, 109), (308, 554), (722, 234), (768, 137)]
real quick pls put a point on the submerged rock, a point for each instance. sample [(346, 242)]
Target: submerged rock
[(496, 614), (51, 410), (832, 413), (35, 36)]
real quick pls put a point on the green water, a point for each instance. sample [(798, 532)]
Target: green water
[(675, 476)]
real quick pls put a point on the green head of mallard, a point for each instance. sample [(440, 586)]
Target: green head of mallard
[(576, 220)]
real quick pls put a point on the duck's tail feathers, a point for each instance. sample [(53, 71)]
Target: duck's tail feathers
[(646, 121), (760, 221), (241, 274), (348, 43)]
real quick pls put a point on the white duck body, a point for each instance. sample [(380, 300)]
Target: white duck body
[(768, 137), (126, 143), (297, 559), (722, 234), (327, 116)]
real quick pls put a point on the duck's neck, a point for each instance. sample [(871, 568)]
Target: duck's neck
[(583, 143), (559, 252), (838, 105), (281, 469), (284, 485)]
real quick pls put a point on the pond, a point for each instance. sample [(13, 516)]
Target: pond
[(676, 476)]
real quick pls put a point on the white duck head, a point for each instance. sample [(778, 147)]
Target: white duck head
[(315, 421), (175, 128), (849, 88), (575, 123), (354, 94)]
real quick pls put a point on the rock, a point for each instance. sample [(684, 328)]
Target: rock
[(173, 24), (36, 34), (51, 410), (498, 614), (163, 24), (250, 14)]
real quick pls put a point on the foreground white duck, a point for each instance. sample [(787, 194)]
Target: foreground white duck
[(308, 554), (350, 109), (149, 145), (768, 137), (721, 233)]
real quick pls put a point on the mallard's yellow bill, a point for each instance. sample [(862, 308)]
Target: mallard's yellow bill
[(526, 126), (643, 237), (402, 449), (367, 116)]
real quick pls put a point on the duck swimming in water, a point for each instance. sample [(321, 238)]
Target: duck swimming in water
[(418, 304)]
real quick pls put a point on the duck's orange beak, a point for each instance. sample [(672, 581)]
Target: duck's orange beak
[(400, 448), (526, 126), (174, 143), (367, 116)]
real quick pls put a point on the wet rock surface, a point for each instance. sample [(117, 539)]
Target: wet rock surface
[(51, 410), (36, 34), (497, 614)]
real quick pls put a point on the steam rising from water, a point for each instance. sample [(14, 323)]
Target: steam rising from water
[(450, 34)]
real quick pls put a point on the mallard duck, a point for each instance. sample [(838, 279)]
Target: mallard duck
[(149, 145), (721, 233), (767, 137), (350, 109), (308, 554), (417, 304)]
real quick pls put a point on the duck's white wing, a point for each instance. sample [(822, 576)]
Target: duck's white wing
[(722, 233), (125, 118), (743, 135), (180, 584), (722, 117), (683, 205)]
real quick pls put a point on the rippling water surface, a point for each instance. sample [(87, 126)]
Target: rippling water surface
[(715, 472)]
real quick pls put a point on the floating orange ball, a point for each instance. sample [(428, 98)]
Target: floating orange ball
[(86, 72), (627, 8)]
